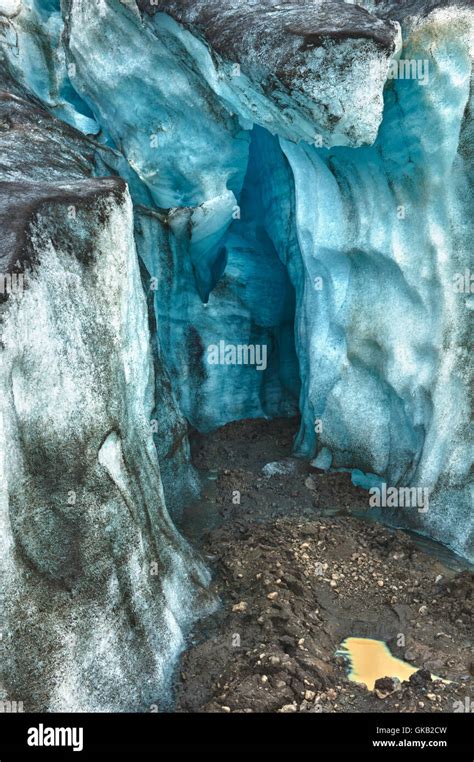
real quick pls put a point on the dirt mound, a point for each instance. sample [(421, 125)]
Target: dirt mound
[(295, 582)]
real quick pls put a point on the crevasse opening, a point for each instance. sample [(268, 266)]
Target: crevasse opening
[(353, 226), (226, 326), (224, 211)]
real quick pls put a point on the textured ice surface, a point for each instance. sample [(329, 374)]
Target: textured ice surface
[(10, 8), (358, 243), (181, 141), (270, 57), (97, 584), (387, 229), (187, 138), (30, 40), (286, 195), (251, 304)]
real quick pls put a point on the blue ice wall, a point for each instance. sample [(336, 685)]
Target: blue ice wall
[(31, 43), (251, 301), (384, 232), (343, 260)]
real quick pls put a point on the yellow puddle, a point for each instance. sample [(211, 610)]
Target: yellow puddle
[(370, 659)]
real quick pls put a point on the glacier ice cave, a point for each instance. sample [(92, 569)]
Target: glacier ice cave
[(176, 176)]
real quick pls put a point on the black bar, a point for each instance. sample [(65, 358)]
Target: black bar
[(126, 733)]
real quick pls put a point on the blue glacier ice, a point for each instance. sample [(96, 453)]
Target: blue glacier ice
[(321, 213), (295, 177), (88, 622), (388, 230), (30, 40)]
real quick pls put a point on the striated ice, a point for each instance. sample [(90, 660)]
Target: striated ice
[(179, 176)]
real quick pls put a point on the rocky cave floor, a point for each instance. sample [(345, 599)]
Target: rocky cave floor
[(297, 574)]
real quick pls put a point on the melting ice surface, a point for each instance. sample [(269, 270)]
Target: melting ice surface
[(358, 246), (281, 193), (341, 258)]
